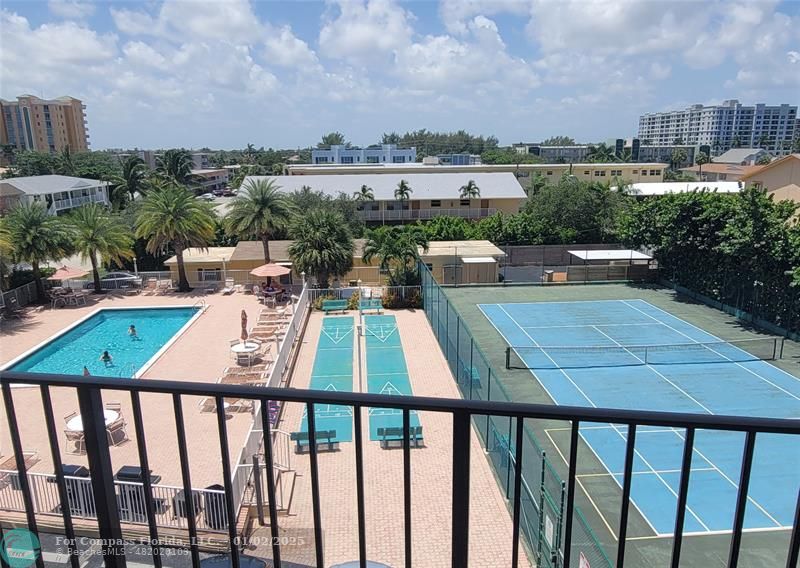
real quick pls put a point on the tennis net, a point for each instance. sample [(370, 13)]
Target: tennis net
[(565, 356)]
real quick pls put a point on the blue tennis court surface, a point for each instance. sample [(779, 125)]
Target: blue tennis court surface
[(386, 372), (631, 354), (333, 370)]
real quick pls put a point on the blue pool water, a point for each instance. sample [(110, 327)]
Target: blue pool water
[(108, 330)]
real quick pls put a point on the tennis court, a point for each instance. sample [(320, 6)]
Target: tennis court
[(632, 354), (333, 371), (386, 372)]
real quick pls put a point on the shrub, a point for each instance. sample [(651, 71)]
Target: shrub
[(352, 301), (318, 302)]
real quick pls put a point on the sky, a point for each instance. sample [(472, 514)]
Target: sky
[(166, 73)]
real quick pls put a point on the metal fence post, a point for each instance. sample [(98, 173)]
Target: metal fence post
[(90, 403), (460, 504)]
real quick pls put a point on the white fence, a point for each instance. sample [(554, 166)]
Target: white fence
[(169, 502), (401, 292), (22, 295), (278, 376)]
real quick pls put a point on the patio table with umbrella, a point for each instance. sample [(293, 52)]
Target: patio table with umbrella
[(270, 271), (62, 274)]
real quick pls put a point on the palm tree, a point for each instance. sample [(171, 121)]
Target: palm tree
[(250, 153), (625, 156), (170, 216), (396, 248), (6, 251), (470, 190), (96, 232), (258, 211), (677, 158), (37, 237), (176, 165), (66, 166), (700, 159), (403, 193), (602, 153), (323, 245), (133, 179), (364, 194)]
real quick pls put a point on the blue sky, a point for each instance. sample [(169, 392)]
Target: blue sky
[(222, 74)]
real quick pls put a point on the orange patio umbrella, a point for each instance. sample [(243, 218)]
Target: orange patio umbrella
[(270, 270), (67, 273)]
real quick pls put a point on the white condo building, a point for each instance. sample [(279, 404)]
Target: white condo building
[(723, 127)]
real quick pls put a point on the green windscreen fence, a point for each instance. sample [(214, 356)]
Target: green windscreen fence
[(543, 496)]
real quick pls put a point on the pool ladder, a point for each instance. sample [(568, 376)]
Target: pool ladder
[(202, 303)]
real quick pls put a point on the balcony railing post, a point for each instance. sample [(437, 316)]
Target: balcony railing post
[(461, 447), (90, 403)]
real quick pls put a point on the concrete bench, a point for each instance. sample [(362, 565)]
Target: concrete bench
[(371, 304), (334, 306), (324, 438), (394, 436)]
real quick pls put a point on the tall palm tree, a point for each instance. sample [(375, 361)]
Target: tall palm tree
[(396, 248), (176, 165), (677, 158), (37, 237), (96, 232), (250, 153), (6, 251), (700, 159), (402, 193), (133, 179), (323, 245), (170, 216), (602, 153), (259, 209), (364, 194), (470, 190)]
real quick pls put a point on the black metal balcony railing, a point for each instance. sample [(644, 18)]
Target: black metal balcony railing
[(90, 389)]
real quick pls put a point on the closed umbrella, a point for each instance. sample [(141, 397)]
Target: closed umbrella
[(244, 325)]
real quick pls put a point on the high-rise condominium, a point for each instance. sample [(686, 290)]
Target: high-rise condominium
[(722, 127), (31, 123)]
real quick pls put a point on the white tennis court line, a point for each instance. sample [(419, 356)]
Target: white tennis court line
[(586, 325), (637, 452), (622, 473), (716, 352), (721, 473), (589, 401), (657, 372)]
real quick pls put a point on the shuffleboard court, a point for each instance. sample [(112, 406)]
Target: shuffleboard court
[(386, 372), (631, 354), (333, 371)]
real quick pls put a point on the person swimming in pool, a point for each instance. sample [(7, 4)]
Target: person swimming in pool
[(107, 359), (132, 332)]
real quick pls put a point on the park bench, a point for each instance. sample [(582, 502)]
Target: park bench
[(325, 441), (394, 436), (370, 304), (334, 306)]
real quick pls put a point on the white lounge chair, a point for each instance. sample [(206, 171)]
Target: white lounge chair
[(229, 287)]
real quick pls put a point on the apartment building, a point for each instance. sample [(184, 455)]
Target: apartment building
[(724, 126), (31, 123), (59, 194), (431, 195), (627, 171), (211, 179), (378, 154), (555, 154)]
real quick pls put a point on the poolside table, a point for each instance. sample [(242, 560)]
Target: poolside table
[(76, 422), (245, 350)]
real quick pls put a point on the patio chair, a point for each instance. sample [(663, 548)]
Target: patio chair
[(8, 468), (13, 310), (116, 432), (74, 442), (229, 287), (115, 406)]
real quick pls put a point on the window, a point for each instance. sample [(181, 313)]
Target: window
[(372, 159), (655, 172), (616, 173), (464, 203), (634, 172), (587, 172), (644, 172), (549, 172), (347, 159), (436, 202), (600, 173), (398, 159)]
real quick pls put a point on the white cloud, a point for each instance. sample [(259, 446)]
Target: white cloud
[(365, 31), (283, 48), (71, 9)]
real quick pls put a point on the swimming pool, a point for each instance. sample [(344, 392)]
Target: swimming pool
[(107, 330)]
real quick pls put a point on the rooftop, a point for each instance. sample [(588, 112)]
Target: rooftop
[(211, 254), (43, 185), (738, 155), (423, 186), (729, 169), (462, 249)]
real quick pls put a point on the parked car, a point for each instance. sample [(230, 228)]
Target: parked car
[(228, 192), (206, 197), (117, 280), (218, 192)]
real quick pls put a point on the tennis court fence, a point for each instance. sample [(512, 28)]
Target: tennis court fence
[(542, 489), (584, 356)]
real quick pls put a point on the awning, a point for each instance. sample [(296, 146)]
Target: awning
[(67, 273), (609, 255), (478, 260)]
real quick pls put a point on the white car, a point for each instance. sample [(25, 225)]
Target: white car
[(206, 197), (117, 280)]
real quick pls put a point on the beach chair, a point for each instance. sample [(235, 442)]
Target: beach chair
[(116, 432), (152, 285), (229, 287), (13, 310), (74, 442)]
